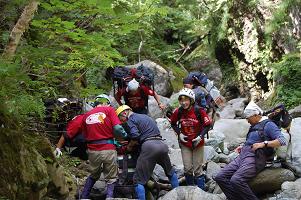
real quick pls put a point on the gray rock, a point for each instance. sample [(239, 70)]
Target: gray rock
[(291, 190), (233, 108), (232, 156), (216, 139), (296, 140), (175, 157), (169, 136), (153, 108), (212, 169), (235, 143), (162, 79), (210, 154), (232, 128), (222, 158), (191, 193), (271, 177), (295, 112)]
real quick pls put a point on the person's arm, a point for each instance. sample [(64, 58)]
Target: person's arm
[(274, 143), (273, 132), (57, 152), (61, 142), (157, 97), (174, 120)]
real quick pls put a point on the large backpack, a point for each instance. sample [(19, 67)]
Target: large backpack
[(145, 76), (199, 78), (280, 116), (122, 75), (196, 112)]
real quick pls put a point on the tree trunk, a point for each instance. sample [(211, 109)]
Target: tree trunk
[(19, 29)]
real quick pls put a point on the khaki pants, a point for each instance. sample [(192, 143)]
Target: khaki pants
[(104, 161), (193, 160)]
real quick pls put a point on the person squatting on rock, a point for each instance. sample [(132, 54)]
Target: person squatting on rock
[(191, 136), (99, 127), (136, 97), (262, 137), (144, 132)]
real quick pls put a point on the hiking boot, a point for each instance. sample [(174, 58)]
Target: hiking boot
[(87, 188), (110, 190)]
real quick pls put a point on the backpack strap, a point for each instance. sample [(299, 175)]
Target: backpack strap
[(196, 112), (144, 97), (260, 129), (180, 112)]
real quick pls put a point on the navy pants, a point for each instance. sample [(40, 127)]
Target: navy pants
[(152, 152), (233, 179)]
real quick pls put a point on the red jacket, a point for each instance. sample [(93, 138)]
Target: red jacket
[(98, 124), (190, 126)]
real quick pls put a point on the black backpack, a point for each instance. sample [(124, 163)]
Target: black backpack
[(145, 76), (197, 113), (280, 116), (122, 75)]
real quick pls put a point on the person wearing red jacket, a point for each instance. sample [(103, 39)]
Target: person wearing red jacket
[(136, 96), (191, 136), (73, 136), (100, 126)]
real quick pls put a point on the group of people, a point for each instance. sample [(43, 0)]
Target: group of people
[(101, 125)]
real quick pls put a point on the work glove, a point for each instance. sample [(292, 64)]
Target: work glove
[(58, 153), (182, 137), (196, 141)]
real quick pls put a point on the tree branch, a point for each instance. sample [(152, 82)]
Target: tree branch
[(19, 28)]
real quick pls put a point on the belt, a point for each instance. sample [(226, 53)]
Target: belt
[(157, 137), (101, 141)]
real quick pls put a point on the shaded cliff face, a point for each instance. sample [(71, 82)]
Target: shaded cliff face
[(28, 167), (258, 35)]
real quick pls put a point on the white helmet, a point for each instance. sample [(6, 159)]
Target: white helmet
[(132, 85), (188, 93), (103, 96)]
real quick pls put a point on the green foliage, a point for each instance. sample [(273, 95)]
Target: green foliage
[(280, 17), (288, 83), (18, 100)]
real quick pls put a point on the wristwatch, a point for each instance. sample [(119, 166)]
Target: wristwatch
[(265, 143)]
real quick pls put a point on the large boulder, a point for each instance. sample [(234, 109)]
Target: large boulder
[(295, 112), (270, 180), (162, 78), (169, 136), (153, 108), (191, 193), (296, 141), (232, 128), (289, 190), (233, 108)]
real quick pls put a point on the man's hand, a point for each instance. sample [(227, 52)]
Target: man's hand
[(196, 141), (238, 149), (257, 146), (182, 137), (58, 153)]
